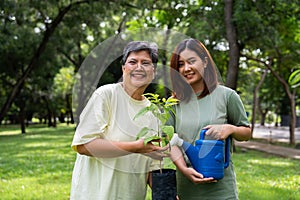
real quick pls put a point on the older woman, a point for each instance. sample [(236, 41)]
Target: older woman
[(110, 162)]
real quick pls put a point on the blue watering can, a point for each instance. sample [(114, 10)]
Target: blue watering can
[(208, 156)]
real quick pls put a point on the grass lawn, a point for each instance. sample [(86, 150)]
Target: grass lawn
[(38, 165)]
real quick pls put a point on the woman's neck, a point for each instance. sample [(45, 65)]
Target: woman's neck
[(135, 93), (198, 88)]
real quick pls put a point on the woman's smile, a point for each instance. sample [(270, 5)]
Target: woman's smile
[(189, 75), (138, 74)]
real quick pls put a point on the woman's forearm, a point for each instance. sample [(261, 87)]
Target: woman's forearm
[(241, 133), (222, 131), (109, 149), (177, 158)]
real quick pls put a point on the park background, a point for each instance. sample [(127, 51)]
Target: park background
[(255, 44)]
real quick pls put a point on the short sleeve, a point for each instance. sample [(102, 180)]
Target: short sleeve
[(236, 111), (94, 119)]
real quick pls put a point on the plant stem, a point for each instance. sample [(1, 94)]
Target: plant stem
[(160, 166), (160, 144)]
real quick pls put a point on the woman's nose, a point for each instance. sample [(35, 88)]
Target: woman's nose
[(139, 66), (186, 67)]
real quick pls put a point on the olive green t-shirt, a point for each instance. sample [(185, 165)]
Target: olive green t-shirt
[(222, 106)]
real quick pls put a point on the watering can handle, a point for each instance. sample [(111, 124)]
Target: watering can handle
[(202, 134), (227, 152), (227, 147)]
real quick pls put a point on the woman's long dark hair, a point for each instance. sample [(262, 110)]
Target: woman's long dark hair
[(181, 89)]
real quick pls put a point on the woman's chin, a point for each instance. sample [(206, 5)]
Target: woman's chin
[(140, 83)]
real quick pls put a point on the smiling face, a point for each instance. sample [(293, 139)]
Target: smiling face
[(138, 71), (191, 66)]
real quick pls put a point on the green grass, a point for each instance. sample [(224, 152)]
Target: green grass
[(262, 176), (38, 165)]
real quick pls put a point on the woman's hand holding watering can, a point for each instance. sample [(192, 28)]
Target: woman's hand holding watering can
[(196, 177), (219, 132), (189, 172)]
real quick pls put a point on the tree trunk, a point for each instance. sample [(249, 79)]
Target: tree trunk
[(54, 124), (234, 50), (49, 114), (255, 100), (33, 62), (69, 109), (22, 117), (263, 114), (293, 118), (291, 96)]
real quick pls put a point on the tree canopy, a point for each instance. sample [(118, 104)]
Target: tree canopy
[(44, 43)]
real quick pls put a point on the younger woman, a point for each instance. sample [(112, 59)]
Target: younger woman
[(204, 104)]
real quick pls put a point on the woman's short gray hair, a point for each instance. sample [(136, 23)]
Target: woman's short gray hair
[(134, 46)]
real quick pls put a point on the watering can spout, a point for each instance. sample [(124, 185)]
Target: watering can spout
[(190, 150)]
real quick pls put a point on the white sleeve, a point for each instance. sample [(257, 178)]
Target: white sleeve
[(94, 119)]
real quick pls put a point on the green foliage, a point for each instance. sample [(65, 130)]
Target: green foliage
[(294, 79), (161, 108), (64, 81), (266, 29)]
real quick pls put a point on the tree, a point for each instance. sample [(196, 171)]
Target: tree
[(62, 89), (272, 47), (49, 25), (234, 47)]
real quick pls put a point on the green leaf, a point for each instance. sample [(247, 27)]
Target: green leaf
[(142, 112), (161, 109), (294, 79), (142, 132), (149, 139), (154, 108), (163, 117), (154, 98), (169, 131), (171, 101)]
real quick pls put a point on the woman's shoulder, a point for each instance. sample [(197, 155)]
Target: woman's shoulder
[(108, 88), (226, 92), (106, 91), (224, 88)]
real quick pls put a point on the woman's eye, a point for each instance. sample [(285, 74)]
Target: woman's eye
[(192, 61), (132, 62), (180, 64), (146, 64)]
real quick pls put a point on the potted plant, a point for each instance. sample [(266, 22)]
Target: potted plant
[(163, 180)]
